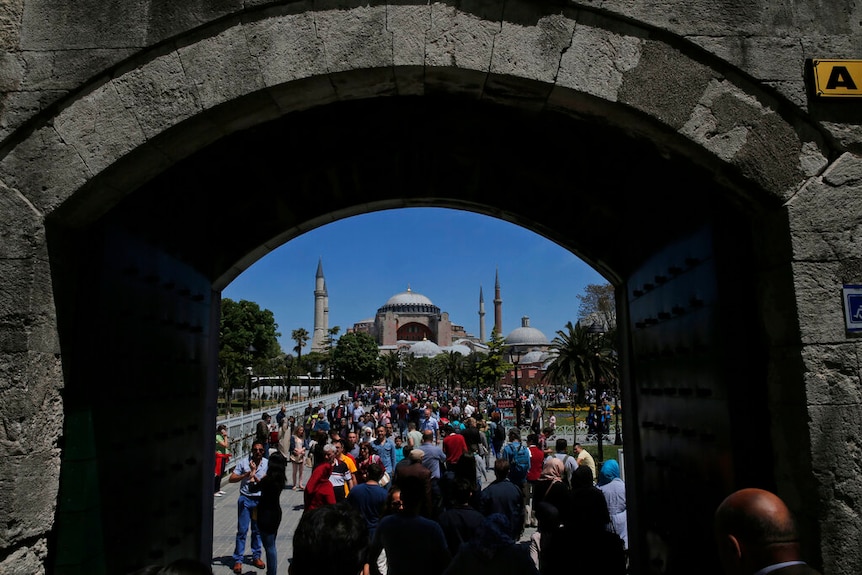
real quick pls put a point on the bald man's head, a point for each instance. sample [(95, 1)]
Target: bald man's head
[(754, 528)]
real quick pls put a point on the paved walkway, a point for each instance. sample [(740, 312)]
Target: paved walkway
[(224, 529)]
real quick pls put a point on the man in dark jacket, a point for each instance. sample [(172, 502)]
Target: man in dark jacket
[(503, 496)]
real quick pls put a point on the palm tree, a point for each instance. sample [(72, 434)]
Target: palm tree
[(390, 367), (584, 357), (300, 336), (452, 365)]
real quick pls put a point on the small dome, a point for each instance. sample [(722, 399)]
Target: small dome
[(425, 348), (534, 356), (459, 348), (526, 335), (408, 298)]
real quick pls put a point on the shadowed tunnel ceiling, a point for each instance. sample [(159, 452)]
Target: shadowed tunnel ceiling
[(578, 183)]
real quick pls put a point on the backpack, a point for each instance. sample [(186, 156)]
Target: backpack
[(519, 463)]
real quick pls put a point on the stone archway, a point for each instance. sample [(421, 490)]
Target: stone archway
[(137, 245)]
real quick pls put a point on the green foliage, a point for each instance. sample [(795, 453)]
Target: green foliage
[(248, 337), (354, 359), (583, 357), (492, 368)]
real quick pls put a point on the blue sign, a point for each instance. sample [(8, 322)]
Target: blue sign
[(853, 307)]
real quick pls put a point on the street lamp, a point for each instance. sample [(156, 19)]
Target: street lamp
[(401, 368), (516, 355), (251, 349), (597, 329), (316, 371)]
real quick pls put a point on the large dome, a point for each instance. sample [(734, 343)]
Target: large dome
[(408, 298), (526, 335)]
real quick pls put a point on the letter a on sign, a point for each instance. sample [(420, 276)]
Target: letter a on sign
[(837, 78)]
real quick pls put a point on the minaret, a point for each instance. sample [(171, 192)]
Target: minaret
[(481, 316), (321, 311), (498, 305)]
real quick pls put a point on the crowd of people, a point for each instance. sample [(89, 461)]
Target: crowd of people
[(398, 483), (435, 469)]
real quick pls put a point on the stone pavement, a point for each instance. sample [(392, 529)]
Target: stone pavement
[(224, 529)]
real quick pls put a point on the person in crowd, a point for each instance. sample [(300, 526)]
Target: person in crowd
[(435, 460), (503, 496), (454, 446), (537, 458), (248, 472), (222, 450), (429, 423), (414, 436), (318, 490), (261, 433), (570, 463), (269, 508), (584, 458), (548, 519), (614, 490), (485, 444), (407, 536), (280, 416), (756, 533), (351, 448), (498, 433), (341, 477), (518, 456), (461, 520), (585, 520), (399, 449), (332, 539), (385, 448), (550, 487), (297, 451), (369, 498), (367, 456), (412, 467), (492, 550)]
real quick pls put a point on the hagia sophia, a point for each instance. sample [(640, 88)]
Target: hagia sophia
[(410, 321)]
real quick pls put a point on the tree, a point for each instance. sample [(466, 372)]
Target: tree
[(243, 327), (390, 368), (355, 359), (598, 303), (573, 364), (492, 368), (452, 367)]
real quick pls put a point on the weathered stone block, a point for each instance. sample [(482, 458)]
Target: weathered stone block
[(286, 47)]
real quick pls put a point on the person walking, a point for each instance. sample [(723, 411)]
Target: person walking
[(269, 508), (248, 472), (222, 451), (318, 490)]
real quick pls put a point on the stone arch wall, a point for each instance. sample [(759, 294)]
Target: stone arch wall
[(169, 93)]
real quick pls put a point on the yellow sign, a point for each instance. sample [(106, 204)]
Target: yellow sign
[(837, 78)]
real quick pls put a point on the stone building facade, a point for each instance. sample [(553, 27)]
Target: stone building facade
[(151, 151)]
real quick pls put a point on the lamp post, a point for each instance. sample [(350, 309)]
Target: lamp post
[(597, 329), (317, 371), (401, 368), (516, 355), (618, 440), (250, 371)]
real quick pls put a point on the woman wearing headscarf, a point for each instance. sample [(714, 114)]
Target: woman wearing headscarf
[(550, 486), (614, 491)]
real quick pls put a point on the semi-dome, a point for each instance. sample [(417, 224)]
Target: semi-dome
[(408, 298), (526, 335), (425, 348)]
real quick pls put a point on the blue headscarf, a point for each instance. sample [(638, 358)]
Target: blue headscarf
[(610, 471)]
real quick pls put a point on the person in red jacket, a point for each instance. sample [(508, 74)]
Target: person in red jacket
[(453, 446), (318, 488), (537, 459)]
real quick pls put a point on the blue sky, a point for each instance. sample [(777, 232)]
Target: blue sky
[(442, 254)]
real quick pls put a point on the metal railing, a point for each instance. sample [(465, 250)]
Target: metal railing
[(241, 428)]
